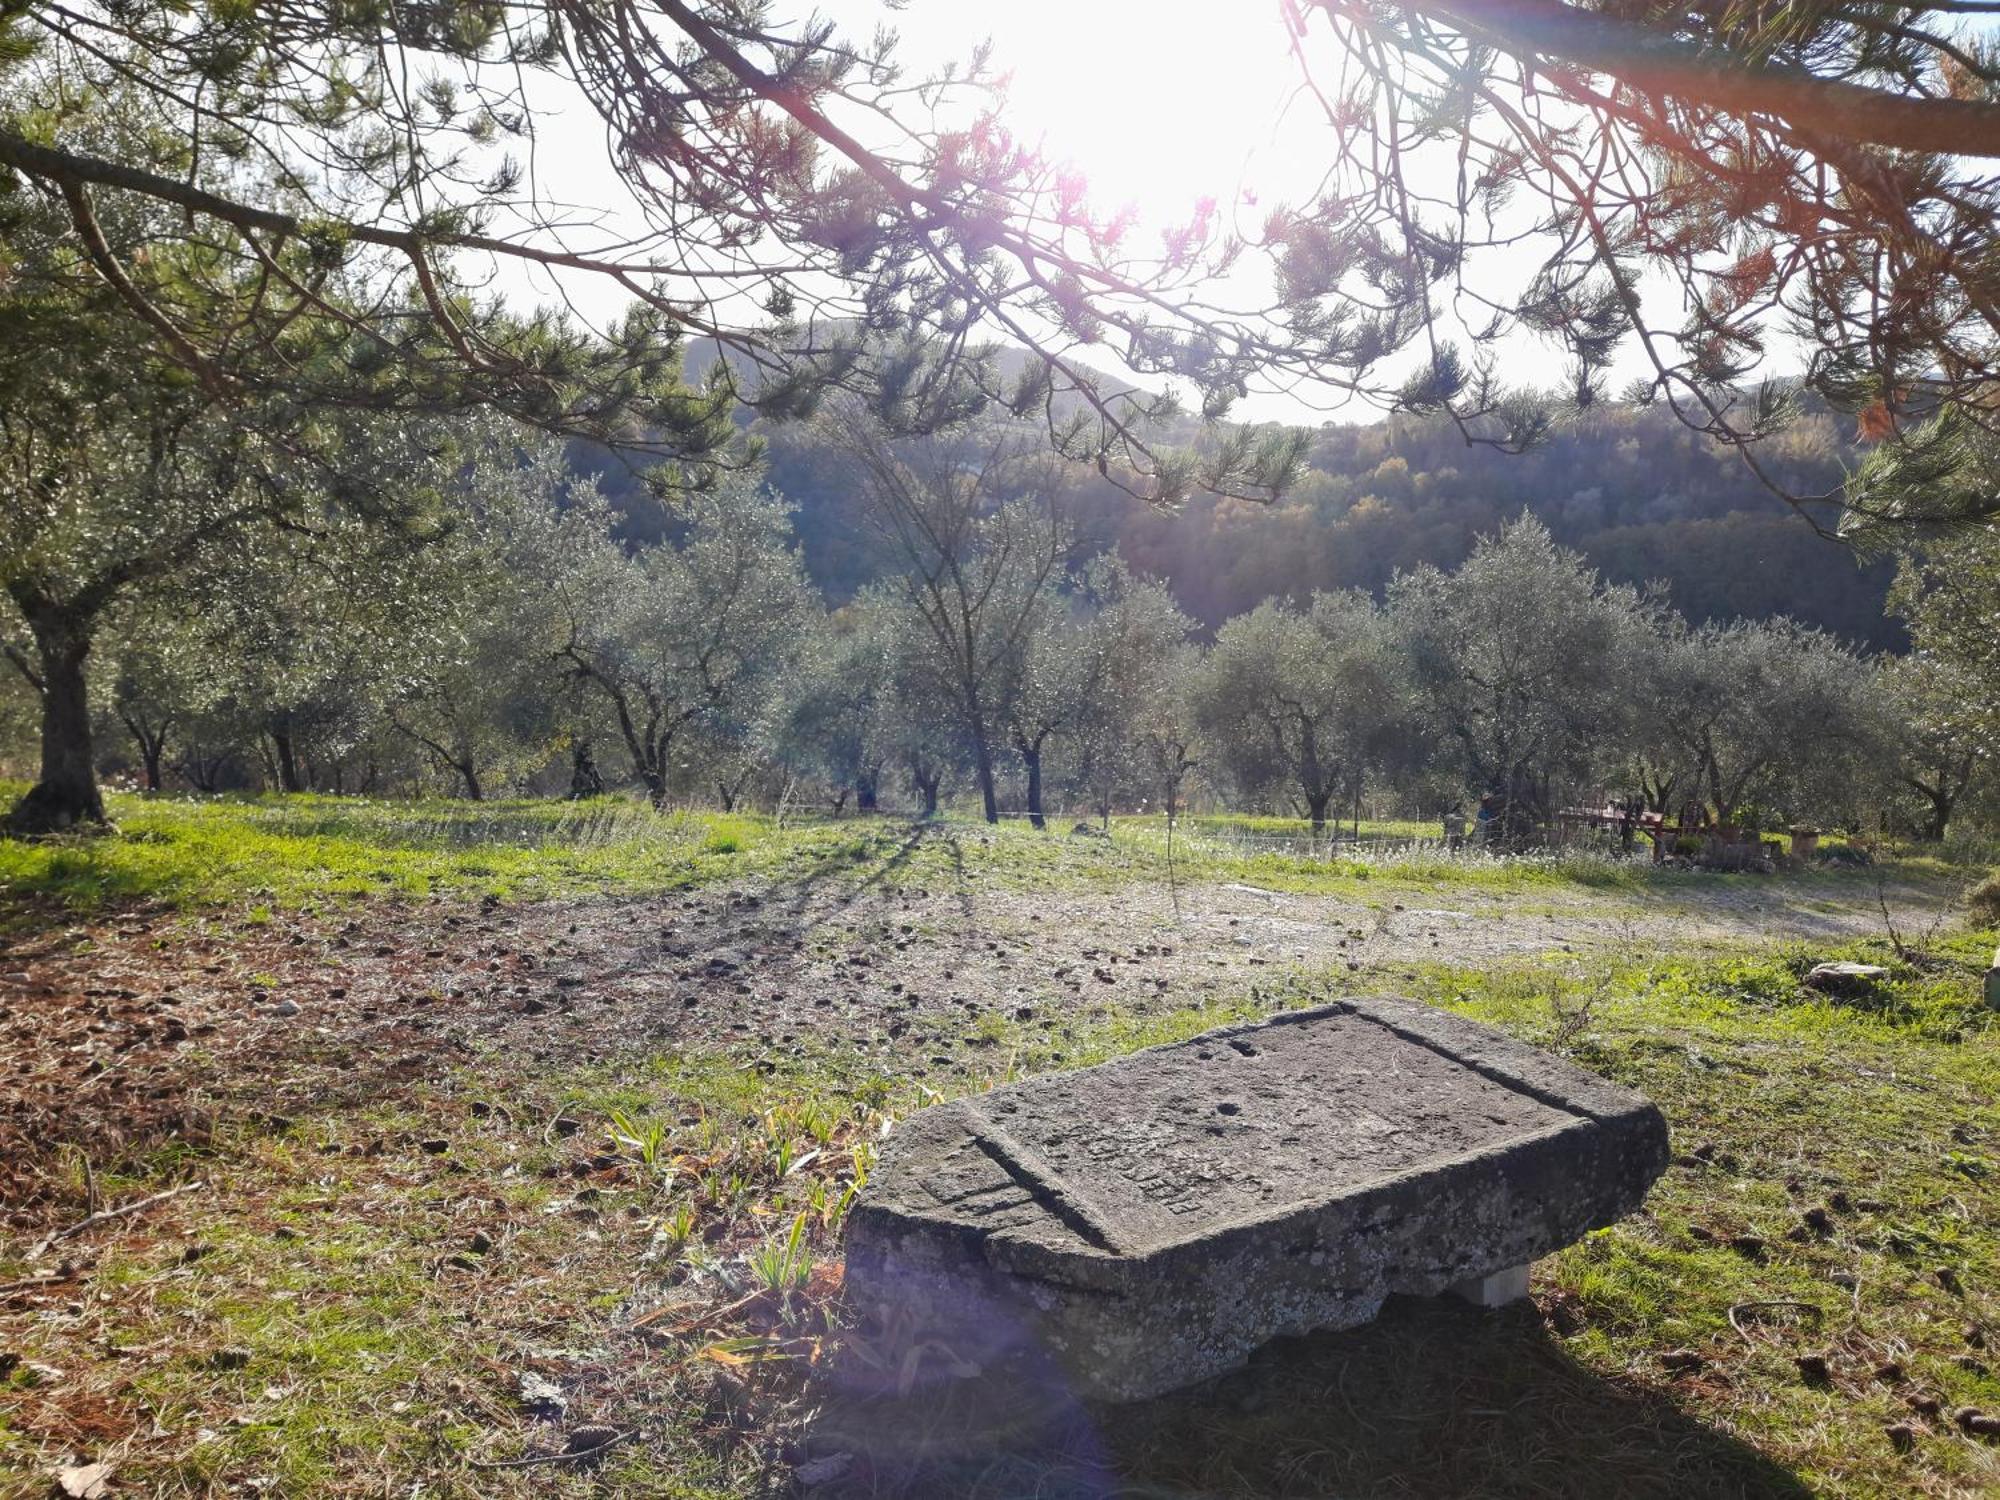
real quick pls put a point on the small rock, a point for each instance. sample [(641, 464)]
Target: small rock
[(1925, 1404), (541, 1397), (1901, 1435), (434, 1147), (818, 1471), (84, 1481), (286, 1009), (1681, 1361), (480, 1243), (1845, 978), (1947, 1278)]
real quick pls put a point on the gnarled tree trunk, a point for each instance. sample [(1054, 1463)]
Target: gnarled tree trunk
[(65, 795), (585, 781), (152, 746), (1316, 804)]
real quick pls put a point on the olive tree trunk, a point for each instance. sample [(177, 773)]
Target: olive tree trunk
[(982, 766), (286, 752), (65, 794), (1031, 757)]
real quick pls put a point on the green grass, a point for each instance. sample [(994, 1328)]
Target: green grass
[(327, 1342), (292, 851), (335, 1335), (288, 852)]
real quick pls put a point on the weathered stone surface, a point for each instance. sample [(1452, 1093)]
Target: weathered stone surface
[(1845, 978), (1153, 1220)]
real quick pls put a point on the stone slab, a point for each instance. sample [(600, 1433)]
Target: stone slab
[(1845, 978), (1151, 1221)]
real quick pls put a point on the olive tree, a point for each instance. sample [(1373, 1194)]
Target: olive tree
[(1520, 661), (1134, 698), (143, 493), (1307, 700), (978, 566), (1944, 733), (133, 451), (485, 697), (682, 636), (839, 695), (311, 632), (920, 729), (1163, 733), (164, 682), (1948, 593), (1770, 714)]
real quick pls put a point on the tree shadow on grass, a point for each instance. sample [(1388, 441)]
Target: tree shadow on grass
[(887, 844), (1435, 1399)]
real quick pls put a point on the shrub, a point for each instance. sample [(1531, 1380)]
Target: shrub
[(1984, 901)]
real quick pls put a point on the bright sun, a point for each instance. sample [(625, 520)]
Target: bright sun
[(1158, 105)]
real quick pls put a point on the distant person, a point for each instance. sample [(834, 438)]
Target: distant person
[(1454, 826), (1489, 820), (1628, 823)]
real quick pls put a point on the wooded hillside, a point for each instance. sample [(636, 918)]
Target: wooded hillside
[(1635, 491)]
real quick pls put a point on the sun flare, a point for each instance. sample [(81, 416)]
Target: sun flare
[(1156, 105)]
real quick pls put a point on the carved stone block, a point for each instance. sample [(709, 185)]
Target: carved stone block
[(1151, 1221)]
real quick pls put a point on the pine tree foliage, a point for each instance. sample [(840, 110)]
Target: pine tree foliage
[(330, 184)]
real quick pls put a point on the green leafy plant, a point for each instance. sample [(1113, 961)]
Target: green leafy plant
[(647, 1139), (784, 1265)]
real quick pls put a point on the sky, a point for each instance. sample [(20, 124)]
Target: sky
[(1157, 104)]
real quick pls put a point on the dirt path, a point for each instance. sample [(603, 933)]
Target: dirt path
[(117, 1033)]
